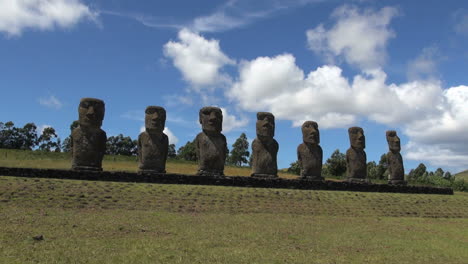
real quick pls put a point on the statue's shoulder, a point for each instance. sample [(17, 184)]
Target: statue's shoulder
[(200, 136)]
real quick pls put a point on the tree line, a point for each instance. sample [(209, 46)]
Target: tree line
[(29, 138)]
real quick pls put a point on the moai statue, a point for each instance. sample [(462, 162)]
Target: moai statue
[(394, 159), (356, 160), (264, 147), (309, 153), (153, 144), (88, 140), (210, 145)]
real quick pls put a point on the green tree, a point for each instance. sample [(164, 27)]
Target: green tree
[(49, 141), (171, 152), (8, 135), (240, 151), (66, 145), (439, 173), (372, 170), (121, 145), (294, 168), (382, 168), (336, 164), (187, 152), (28, 135), (448, 175), (418, 173)]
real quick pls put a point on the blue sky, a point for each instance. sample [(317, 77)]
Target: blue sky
[(380, 65)]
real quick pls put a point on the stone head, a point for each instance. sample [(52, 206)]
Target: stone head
[(155, 119), (310, 133), (211, 119), (393, 141), (357, 138), (265, 124), (91, 112)]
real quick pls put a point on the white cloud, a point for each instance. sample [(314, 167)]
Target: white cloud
[(200, 60), (230, 122), (425, 65), (18, 15), (358, 36), (437, 156), (278, 85), (172, 138), (51, 102), (443, 139), (238, 13)]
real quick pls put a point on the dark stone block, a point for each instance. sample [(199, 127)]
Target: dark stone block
[(171, 178)]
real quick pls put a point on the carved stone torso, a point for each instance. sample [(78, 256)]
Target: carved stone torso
[(310, 158), (152, 151), (356, 163), (211, 152), (395, 166), (264, 157), (88, 148)]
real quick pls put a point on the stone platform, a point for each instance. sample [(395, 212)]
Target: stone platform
[(237, 181)]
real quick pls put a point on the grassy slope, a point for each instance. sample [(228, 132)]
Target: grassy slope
[(462, 175), (107, 222)]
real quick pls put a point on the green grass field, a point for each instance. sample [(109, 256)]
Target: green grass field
[(52, 160), (110, 222)]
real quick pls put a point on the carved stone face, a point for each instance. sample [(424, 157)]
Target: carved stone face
[(310, 133), (265, 124), (155, 119), (393, 141), (91, 112), (211, 119), (356, 137)]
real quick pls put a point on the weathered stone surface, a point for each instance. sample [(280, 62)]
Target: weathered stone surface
[(394, 159), (210, 145), (89, 140), (356, 159), (264, 147), (153, 143), (309, 153)]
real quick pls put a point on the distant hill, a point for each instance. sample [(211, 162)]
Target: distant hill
[(462, 175)]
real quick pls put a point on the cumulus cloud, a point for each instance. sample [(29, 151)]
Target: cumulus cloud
[(18, 15), (357, 36), (51, 102), (231, 122), (172, 138), (200, 60), (443, 138)]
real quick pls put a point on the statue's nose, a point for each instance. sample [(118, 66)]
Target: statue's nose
[(90, 111), (212, 116)]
